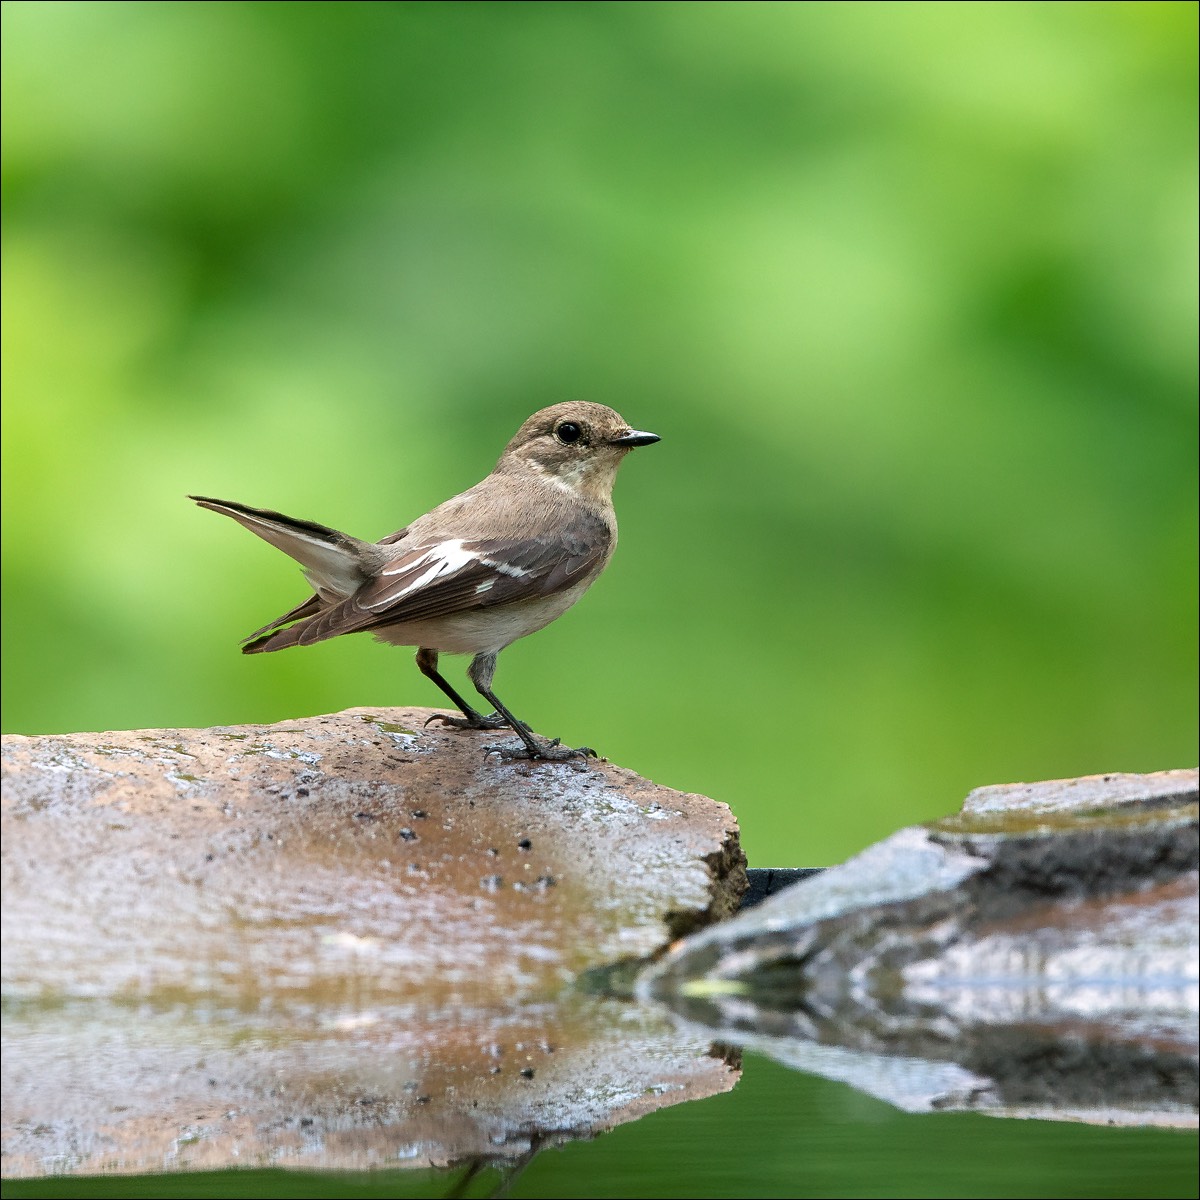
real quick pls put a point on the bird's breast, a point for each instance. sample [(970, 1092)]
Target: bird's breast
[(484, 630)]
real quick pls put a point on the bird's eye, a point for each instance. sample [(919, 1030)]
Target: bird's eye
[(568, 432)]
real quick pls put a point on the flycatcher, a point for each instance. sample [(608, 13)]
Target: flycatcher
[(491, 565)]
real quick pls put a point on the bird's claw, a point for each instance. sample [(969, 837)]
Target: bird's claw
[(549, 751), (532, 748), (495, 721)]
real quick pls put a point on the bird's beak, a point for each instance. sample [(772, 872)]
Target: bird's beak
[(635, 438)]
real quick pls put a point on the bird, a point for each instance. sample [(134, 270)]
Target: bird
[(493, 564)]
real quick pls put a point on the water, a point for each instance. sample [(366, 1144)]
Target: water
[(777, 1133)]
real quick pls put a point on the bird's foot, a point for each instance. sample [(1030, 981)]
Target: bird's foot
[(475, 721), (541, 750)]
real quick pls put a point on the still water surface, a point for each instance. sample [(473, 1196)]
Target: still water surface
[(777, 1133)]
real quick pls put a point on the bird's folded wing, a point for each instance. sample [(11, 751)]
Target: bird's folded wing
[(441, 578)]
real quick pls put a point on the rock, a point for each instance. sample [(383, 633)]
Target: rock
[(359, 856), (337, 942), (1035, 954)]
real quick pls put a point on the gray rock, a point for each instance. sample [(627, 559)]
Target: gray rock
[(1035, 954)]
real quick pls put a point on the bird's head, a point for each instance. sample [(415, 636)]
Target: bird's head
[(577, 445)]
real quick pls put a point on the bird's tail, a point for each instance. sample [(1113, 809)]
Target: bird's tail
[(336, 564)]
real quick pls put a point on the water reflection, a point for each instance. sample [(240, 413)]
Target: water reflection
[(100, 1089), (1065, 1072), (91, 1089)]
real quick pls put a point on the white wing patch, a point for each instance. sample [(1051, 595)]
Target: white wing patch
[(505, 569), (445, 558), (438, 562)]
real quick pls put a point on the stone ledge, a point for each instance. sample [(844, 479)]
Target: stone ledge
[(357, 855)]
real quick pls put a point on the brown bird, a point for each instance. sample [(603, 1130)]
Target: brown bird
[(491, 565)]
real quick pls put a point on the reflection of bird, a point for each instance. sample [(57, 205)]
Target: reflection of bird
[(499, 561)]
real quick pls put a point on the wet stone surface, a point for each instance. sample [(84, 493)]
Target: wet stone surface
[(350, 942), (338, 942), (1035, 954), (353, 856)]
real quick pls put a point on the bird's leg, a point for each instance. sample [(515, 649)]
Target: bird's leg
[(480, 672), (427, 662)]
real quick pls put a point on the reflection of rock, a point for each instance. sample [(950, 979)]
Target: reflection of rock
[(335, 942), (93, 1087), (349, 859), (1034, 955)]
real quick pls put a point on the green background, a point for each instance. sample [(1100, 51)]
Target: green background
[(909, 291)]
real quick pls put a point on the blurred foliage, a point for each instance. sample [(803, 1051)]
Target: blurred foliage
[(908, 289)]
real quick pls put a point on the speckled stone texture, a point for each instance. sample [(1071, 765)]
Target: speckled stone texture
[(359, 854), (338, 942)]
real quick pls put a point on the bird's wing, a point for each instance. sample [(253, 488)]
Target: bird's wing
[(450, 576), (437, 579)]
